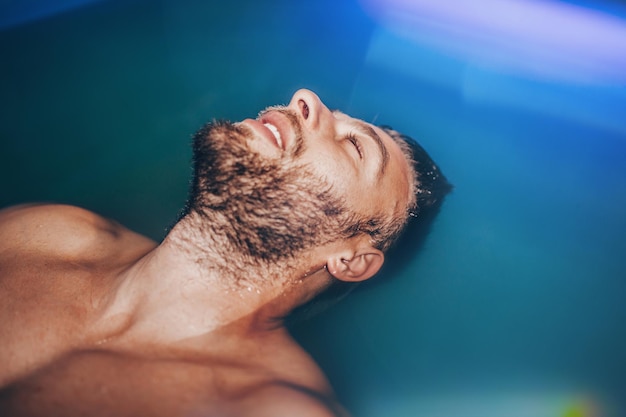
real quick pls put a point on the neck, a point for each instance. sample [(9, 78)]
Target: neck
[(209, 246), (187, 287)]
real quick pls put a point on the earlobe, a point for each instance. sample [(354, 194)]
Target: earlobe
[(359, 267)]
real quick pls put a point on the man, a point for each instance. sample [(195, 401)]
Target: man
[(98, 320)]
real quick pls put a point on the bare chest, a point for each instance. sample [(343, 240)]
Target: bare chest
[(104, 384), (45, 310)]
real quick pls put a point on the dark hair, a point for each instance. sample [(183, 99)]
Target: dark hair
[(431, 185), (404, 238)]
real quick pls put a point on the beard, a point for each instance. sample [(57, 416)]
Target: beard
[(257, 209)]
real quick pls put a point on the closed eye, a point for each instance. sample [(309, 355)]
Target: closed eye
[(357, 145)]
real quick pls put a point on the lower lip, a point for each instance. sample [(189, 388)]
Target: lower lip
[(264, 132)]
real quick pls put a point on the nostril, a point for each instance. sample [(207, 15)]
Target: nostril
[(304, 108)]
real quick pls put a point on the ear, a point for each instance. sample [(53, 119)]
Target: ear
[(356, 266)]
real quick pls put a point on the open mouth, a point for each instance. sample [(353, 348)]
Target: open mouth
[(274, 130), (263, 129)]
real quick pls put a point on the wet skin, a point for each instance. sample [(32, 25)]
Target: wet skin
[(98, 320)]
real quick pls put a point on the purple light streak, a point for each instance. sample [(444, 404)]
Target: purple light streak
[(546, 39)]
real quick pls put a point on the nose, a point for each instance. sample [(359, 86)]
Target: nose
[(309, 106)]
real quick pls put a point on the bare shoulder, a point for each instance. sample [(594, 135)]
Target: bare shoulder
[(46, 219), (60, 230), (284, 399), (299, 388)]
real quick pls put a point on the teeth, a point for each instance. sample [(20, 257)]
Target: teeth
[(276, 133)]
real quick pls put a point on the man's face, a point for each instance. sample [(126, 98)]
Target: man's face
[(361, 162), (295, 178)]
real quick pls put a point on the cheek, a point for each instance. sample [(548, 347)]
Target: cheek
[(335, 171)]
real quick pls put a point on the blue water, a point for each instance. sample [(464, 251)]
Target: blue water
[(514, 304)]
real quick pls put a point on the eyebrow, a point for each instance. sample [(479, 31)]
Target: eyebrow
[(367, 130)]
